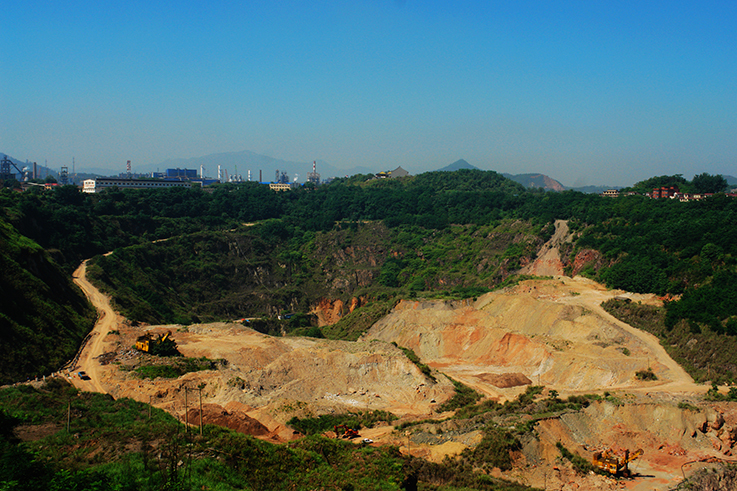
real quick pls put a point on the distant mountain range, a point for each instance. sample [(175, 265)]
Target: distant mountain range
[(536, 181), (458, 165)]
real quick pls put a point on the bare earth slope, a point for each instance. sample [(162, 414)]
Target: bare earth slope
[(548, 261), (551, 331)]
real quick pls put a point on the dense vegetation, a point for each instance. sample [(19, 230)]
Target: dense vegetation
[(328, 422), (43, 317), (241, 250), (701, 183), (272, 268), (123, 444)]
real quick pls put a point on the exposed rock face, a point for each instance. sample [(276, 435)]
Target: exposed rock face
[(349, 267), (670, 436), (585, 258), (330, 311)]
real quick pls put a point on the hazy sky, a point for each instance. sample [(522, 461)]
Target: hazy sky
[(587, 92)]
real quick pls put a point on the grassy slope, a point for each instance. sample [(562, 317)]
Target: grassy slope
[(43, 316)]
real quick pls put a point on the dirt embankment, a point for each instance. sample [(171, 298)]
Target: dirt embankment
[(270, 379), (548, 261), (550, 332)]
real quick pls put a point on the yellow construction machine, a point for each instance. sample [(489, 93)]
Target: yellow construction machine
[(146, 342), (615, 464)]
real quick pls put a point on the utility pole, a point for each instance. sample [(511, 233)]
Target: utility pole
[(186, 415), (200, 387)]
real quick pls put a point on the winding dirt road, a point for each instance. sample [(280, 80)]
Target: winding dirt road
[(107, 320)]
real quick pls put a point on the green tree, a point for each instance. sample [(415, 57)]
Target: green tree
[(707, 183)]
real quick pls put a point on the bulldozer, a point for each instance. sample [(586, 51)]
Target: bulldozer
[(147, 342), (342, 431), (613, 463)]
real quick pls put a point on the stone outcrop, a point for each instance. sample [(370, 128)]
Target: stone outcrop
[(329, 312), (585, 258)]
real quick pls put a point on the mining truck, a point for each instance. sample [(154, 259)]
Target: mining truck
[(614, 464)]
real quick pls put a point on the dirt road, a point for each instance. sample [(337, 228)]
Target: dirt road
[(591, 295), (107, 320)]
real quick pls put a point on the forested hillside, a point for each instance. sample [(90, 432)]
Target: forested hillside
[(43, 316), (241, 250)]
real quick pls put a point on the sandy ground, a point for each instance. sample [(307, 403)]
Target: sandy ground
[(590, 295)]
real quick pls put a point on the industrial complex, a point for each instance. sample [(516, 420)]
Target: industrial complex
[(27, 175)]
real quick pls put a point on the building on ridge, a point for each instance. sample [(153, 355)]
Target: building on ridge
[(665, 192)]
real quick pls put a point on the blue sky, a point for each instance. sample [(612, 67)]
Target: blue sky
[(589, 92)]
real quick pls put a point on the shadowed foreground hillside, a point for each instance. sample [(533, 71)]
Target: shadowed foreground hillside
[(43, 316)]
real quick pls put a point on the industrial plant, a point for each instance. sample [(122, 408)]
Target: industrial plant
[(28, 175)]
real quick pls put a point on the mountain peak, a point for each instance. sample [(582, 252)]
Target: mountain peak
[(457, 165)]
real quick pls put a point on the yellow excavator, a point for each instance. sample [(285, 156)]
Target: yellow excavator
[(614, 464), (147, 341)]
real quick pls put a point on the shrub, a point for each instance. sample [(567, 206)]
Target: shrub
[(646, 374), (326, 422), (464, 396), (410, 354), (687, 407), (580, 465), (494, 449)]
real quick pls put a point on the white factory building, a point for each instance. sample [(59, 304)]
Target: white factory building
[(100, 183)]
